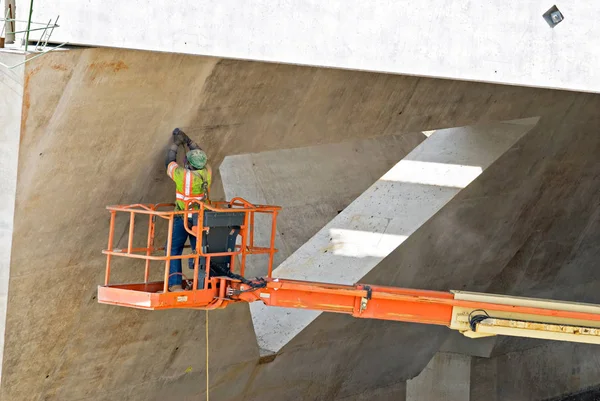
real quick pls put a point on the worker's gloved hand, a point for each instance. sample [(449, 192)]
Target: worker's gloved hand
[(179, 137), (186, 139)]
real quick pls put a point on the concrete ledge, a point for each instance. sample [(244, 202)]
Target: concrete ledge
[(492, 41), (312, 184)]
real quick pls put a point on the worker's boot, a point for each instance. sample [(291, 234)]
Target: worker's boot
[(176, 288)]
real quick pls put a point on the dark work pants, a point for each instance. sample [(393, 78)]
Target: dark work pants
[(180, 236)]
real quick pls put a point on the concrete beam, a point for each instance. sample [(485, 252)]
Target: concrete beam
[(312, 185), (493, 41), (384, 216)]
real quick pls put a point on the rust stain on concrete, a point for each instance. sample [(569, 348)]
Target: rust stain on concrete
[(26, 99), (59, 67), (101, 67), (116, 66)]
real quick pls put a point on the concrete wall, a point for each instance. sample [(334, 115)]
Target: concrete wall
[(94, 133), (492, 41), (11, 100)]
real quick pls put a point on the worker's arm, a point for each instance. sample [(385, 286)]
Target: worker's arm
[(174, 143), (174, 169), (190, 144)]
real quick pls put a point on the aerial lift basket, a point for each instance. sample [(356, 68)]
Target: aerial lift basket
[(225, 233)]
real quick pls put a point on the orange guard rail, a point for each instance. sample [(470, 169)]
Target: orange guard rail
[(155, 295)]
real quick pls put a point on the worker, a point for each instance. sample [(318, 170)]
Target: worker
[(192, 183)]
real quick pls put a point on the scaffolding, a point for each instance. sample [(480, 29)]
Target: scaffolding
[(41, 45)]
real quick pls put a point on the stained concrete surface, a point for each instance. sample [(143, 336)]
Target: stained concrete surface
[(94, 129)]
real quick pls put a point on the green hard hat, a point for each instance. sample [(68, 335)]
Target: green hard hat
[(197, 158)]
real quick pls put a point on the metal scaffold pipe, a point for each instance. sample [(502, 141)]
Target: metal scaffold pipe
[(29, 24)]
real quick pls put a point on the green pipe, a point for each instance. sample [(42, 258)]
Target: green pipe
[(28, 24), (28, 30)]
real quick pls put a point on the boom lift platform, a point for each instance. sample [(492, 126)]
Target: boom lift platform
[(227, 237)]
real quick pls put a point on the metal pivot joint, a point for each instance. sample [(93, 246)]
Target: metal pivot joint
[(365, 300)]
